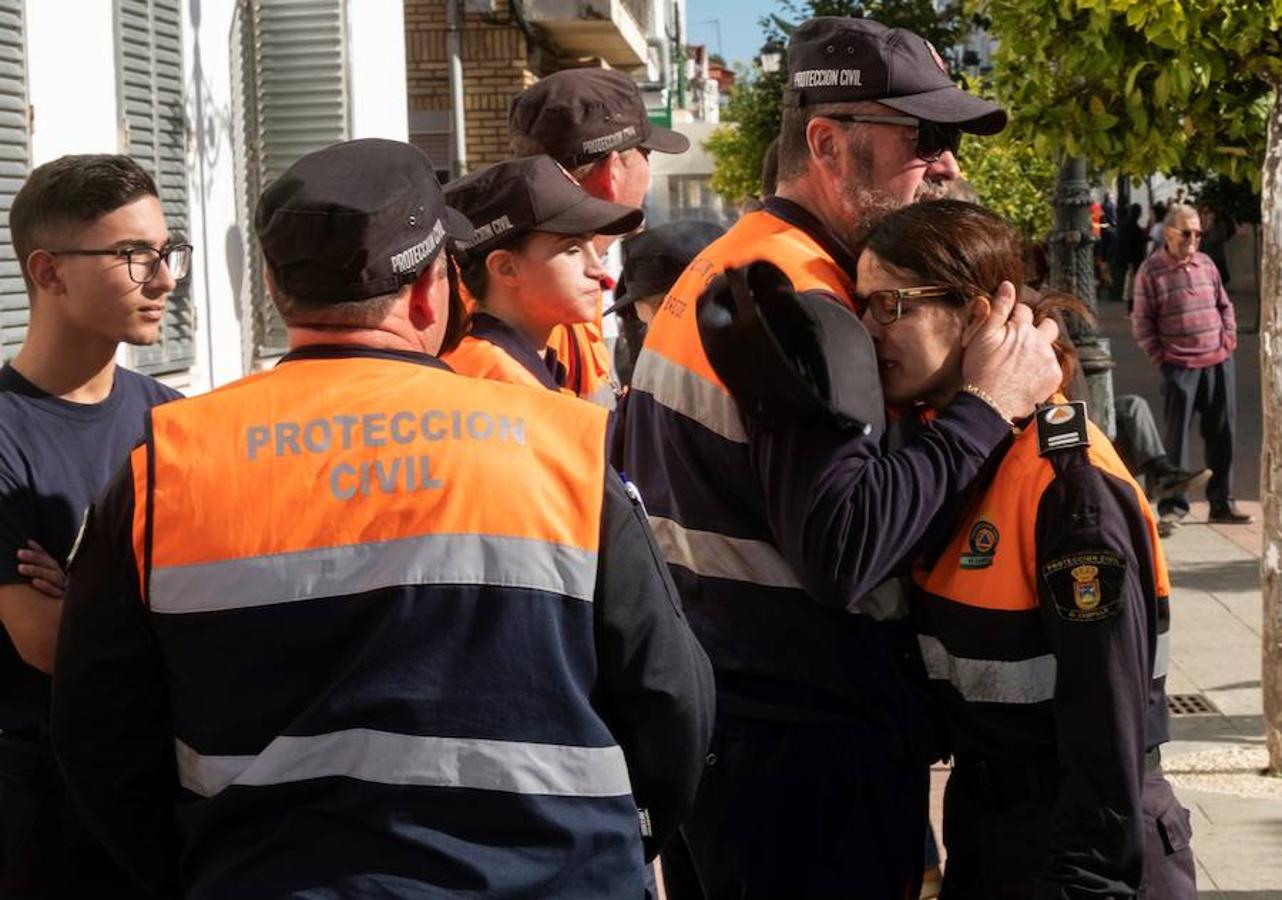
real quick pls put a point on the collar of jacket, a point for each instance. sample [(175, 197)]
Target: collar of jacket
[(547, 369), (354, 351), (800, 217)]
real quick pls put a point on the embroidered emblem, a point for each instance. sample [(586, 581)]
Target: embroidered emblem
[(1087, 586), (983, 538)]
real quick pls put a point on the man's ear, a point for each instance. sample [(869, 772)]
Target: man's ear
[(42, 267), (421, 314), (823, 137), (977, 312), (604, 179)]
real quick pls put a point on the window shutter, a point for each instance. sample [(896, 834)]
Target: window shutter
[(14, 167), (150, 73), (291, 96)]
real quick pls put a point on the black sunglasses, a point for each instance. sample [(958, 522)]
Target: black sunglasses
[(933, 139)]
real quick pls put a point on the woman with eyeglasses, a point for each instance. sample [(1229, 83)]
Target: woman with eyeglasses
[(1043, 619)]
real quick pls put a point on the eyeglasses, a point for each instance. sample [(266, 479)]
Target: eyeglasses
[(144, 262), (1188, 232), (933, 139), (887, 307)]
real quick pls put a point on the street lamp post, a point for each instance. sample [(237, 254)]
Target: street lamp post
[(771, 57), (1073, 271)]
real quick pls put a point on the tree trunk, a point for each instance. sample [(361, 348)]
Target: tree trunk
[(1271, 462)]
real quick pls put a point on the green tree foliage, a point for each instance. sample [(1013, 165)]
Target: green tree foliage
[(1139, 86), (753, 113), (752, 121), (1012, 179)]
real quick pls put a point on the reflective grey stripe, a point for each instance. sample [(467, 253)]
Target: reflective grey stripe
[(681, 390), (356, 568), (717, 556), (605, 396), (1162, 655), (384, 757), (991, 680)]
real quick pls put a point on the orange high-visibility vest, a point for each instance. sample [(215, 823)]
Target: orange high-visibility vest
[(373, 580), (686, 447), (977, 607), (495, 350), (478, 358), (586, 355), (581, 347)]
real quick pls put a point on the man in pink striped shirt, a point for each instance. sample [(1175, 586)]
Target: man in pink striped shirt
[(1184, 322)]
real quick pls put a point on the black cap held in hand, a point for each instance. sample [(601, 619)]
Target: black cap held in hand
[(786, 356), (833, 59), (355, 220), (579, 116), (533, 193)]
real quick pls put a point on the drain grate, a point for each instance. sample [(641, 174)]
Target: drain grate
[(1189, 705)]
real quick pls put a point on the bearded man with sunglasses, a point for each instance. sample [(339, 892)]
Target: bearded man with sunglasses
[(99, 264), (780, 529)]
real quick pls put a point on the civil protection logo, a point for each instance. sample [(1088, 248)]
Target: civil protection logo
[(983, 538), (1058, 415)]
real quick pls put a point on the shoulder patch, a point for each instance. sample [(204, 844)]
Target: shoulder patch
[(1087, 586), (1061, 426)]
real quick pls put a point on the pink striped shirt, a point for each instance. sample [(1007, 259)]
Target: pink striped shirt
[(1183, 315)]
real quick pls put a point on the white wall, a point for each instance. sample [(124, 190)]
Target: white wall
[(211, 191), (71, 78), (376, 69)]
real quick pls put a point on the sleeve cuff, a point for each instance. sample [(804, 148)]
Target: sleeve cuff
[(982, 425)]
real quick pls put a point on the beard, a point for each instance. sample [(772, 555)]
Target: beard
[(862, 204)]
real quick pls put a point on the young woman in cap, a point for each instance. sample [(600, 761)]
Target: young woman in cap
[(1043, 619), (531, 267)]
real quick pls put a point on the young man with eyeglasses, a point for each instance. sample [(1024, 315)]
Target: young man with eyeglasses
[(780, 530), (1185, 323), (99, 264)]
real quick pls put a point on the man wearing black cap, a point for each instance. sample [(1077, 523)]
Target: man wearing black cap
[(652, 262), (532, 266), (780, 526), (360, 626), (593, 122)]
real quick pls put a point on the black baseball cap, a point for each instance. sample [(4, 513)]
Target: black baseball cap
[(654, 259), (533, 193), (833, 59), (355, 220), (578, 116)]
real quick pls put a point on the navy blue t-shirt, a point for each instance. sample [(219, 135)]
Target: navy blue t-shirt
[(56, 457)]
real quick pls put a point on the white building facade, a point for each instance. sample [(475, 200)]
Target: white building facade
[(215, 98)]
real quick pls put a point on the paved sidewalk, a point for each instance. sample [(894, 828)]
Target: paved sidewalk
[(1216, 617)]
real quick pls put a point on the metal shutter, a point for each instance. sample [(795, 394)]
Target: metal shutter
[(290, 90), (14, 166), (150, 73)]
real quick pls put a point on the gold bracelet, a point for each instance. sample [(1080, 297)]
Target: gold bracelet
[(987, 398)]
